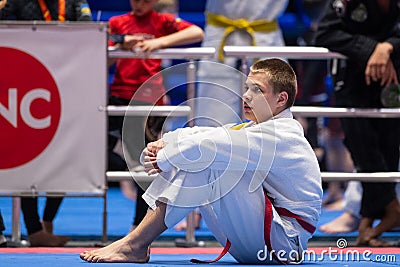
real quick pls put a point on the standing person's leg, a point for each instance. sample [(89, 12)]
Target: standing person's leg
[(152, 130), (29, 207), (36, 235), (50, 211), (363, 142), (388, 132), (3, 240), (141, 207), (2, 227), (115, 161), (134, 141)]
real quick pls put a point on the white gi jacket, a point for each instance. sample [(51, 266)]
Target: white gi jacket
[(224, 172)]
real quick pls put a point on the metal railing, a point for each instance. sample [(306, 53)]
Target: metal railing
[(288, 52), (243, 52)]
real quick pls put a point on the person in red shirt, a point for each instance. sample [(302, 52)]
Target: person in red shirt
[(136, 82)]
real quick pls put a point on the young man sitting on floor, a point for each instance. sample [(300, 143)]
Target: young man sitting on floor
[(257, 184)]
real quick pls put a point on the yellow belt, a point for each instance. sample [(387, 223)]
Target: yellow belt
[(232, 25)]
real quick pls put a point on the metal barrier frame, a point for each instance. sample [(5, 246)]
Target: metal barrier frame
[(243, 52), (309, 53)]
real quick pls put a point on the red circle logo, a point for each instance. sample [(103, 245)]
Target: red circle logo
[(30, 107)]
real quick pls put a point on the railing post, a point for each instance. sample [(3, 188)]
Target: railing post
[(104, 236), (16, 222), (191, 90)]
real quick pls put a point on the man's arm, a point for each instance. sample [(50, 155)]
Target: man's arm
[(220, 148), (371, 55), (148, 157)]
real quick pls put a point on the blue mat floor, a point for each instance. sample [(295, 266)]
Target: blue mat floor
[(63, 260), (83, 218)]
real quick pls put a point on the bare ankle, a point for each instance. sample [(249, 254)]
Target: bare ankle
[(47, 226)]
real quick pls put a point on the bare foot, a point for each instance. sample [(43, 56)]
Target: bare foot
[(183, 225), (343, 224), (390, 220), (128, 189), (118, 251), (375, 242), (44, 239), (337, 205), (368, 241)]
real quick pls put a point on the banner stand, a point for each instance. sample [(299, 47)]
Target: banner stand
[(50, 97)]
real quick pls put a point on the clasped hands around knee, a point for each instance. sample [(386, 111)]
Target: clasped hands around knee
[(150, 156)]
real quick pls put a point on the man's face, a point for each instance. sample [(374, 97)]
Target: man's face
[(259, 101), (142, 7)]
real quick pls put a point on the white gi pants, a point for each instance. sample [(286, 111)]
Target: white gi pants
[(231, 213)]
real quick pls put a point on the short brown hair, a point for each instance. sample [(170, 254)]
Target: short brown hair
[(280, 76)]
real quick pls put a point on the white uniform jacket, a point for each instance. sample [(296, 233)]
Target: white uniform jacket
[(225, 171)]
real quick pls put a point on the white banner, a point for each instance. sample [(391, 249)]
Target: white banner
[(53, 79)]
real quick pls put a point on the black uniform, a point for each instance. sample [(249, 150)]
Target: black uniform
[(75, 10), (354, 28)]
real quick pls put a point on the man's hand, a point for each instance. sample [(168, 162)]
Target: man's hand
[(389, 76), (3, 3), (150, 156), (156, 146), (378, 62), (150, 165)]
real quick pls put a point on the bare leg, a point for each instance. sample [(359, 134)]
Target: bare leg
[(343, 224), (134, 247), (47, 227)]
